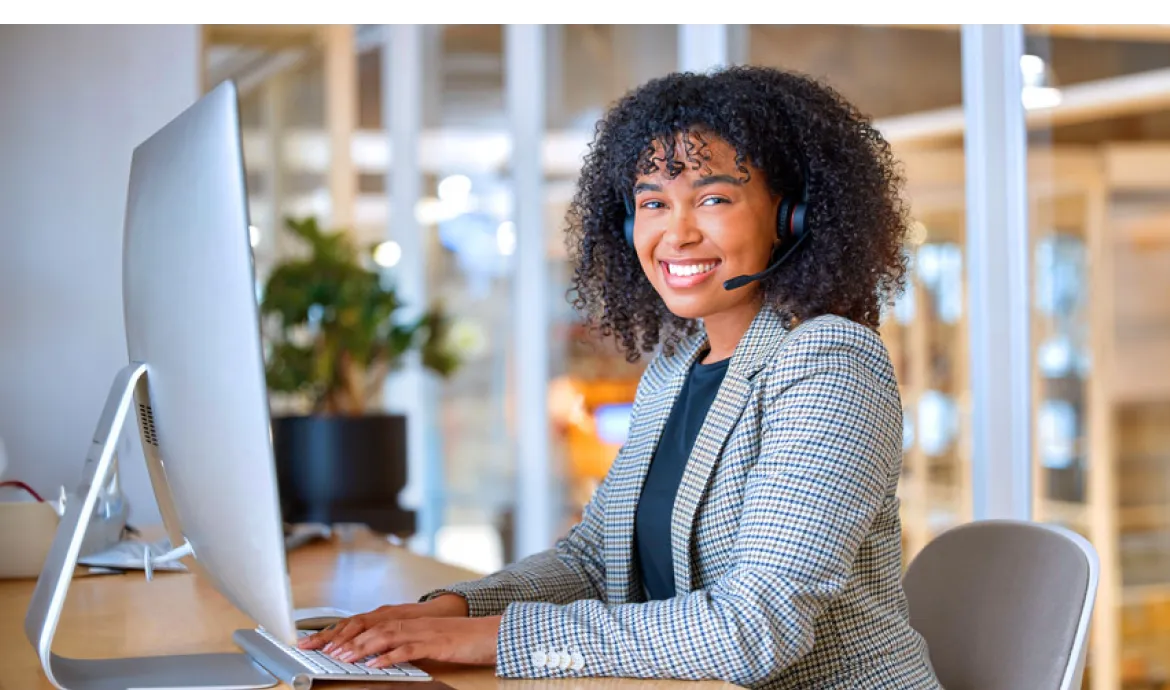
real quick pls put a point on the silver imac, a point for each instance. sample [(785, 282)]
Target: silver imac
[(195, 385)]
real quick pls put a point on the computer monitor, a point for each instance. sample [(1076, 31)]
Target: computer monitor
[(195, 382)]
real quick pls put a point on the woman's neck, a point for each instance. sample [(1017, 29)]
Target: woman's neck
[(726, 329)]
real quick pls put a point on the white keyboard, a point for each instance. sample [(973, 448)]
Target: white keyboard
[(299, 668)]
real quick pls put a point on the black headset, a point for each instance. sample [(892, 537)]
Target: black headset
[(791, 229)]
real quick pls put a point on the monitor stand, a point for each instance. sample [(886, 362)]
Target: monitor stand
[(189, 671)]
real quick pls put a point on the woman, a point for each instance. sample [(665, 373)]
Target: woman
[(748, 530)]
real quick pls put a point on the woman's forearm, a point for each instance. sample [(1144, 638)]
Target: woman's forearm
[(546, 577)]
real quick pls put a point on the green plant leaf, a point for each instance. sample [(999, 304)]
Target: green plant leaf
[(329, 311)]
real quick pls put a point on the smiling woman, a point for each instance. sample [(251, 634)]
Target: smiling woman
[(747, 138), (697, 229), (748, 223)]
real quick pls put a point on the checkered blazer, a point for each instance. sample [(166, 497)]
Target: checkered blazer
[(785, 533)]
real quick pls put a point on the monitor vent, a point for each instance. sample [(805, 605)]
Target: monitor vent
[(146, 415)]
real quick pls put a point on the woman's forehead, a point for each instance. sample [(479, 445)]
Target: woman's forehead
[(690, 156), (691, 142)]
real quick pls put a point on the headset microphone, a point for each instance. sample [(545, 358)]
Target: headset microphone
[(740, 281)]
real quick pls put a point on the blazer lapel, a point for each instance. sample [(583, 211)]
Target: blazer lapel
[(646, 427), (752, 354)]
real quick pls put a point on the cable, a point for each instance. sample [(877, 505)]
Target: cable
[(21, 485), (148, 563)]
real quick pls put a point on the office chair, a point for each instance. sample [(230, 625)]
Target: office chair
[(1004, 605)]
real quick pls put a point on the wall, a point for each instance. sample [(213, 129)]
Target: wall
[(76, 100)]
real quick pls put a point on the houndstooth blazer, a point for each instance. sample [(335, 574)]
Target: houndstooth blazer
[(786, 537)]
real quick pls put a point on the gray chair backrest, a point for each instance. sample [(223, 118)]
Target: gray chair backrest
[(1004, 605)]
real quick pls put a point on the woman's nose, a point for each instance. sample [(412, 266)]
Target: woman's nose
[(681, 230)]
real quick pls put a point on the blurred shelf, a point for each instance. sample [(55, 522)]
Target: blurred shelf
[(1100, 233)]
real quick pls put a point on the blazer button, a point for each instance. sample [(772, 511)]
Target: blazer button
[(539, 658), (565, 661), (578, 661), (553, 659)]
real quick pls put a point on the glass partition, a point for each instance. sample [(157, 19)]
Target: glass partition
[(465, 217), (592, 386)]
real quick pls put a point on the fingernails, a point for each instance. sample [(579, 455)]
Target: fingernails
[(346, 657), (328, 648)]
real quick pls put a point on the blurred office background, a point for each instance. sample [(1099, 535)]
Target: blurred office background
[(455, 149)]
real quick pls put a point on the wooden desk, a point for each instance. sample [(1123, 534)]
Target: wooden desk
[(177, 613)]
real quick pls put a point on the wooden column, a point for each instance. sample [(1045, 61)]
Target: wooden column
[(340, 120)]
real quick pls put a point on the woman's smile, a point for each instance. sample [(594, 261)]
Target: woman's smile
[(680, 274)]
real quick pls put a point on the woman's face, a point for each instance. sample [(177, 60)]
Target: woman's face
[(696, 230)]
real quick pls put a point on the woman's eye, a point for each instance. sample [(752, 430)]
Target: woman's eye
[(652, 204), (713, 200)]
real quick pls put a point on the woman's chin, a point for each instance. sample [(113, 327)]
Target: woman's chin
[(689, 308)]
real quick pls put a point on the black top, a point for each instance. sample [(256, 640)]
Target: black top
[(652, 523)]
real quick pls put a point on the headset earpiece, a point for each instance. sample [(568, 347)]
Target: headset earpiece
[(790, 220), (784, 220), (628, 225), (791, 232), (797, 223)]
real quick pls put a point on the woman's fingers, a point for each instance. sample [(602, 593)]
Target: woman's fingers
[(411, 651), (344, 633), (320, 638), (339, 633), (346, 629), (378, 639), (455, 640)]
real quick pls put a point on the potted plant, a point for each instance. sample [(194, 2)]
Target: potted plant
[(333, 333)]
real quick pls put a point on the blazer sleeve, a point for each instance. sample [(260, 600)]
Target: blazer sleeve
[(573, 569), (829, 454)]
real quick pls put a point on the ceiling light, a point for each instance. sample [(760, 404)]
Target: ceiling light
[(506, 238), (388, 254), (454, 188)]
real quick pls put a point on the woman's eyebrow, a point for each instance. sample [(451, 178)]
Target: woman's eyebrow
[(700, 182), (716, 179)]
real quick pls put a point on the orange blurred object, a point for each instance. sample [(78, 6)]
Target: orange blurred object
[(575, 403)]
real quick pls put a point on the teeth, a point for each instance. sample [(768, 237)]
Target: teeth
[(689, 269)]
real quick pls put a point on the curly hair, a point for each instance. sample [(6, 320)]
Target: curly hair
[(786, 125)]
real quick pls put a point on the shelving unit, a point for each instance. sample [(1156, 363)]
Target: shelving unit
[(1100, 228)]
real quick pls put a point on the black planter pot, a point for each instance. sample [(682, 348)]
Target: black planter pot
[(343, 469)]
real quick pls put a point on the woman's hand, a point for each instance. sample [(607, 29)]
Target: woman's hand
[(453, 640), (346, 629)]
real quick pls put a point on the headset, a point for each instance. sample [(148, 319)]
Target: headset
[(791, 229)]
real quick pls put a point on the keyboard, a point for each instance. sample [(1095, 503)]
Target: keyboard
[(299, 668)]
